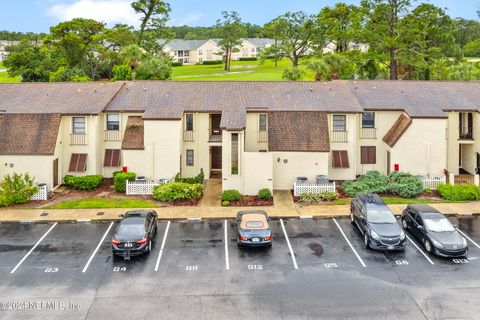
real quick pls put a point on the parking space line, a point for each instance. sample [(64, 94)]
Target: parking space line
[(469, 239), (162, 246), (292, 254), (33, 248), (97, 248), (348, 241), (421, 251), (227, 259)]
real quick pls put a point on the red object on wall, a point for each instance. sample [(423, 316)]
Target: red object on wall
[(124, 169), (396, 167)]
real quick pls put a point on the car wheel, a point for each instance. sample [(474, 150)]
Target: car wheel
[(404, 224), (366, 240), (428, 246), (352, 219)]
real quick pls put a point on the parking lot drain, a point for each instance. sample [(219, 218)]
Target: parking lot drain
[(100, 213), (44, 214)]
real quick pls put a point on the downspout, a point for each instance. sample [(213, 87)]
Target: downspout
[(153, 159)]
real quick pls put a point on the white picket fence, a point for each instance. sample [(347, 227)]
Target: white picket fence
[(432, 183), (42, 194), (311, 188)]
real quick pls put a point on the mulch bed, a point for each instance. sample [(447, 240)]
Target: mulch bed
[(251, 201)]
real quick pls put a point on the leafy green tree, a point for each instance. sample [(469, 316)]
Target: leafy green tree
[(31, 62), (69, 74), (340, 24), (154, 69), (122, 72), (230, 30), (292, 74), (465, 31), (75, 39), (154, 16), (472, 49), (295, 33), (319, 68), (133, 55)]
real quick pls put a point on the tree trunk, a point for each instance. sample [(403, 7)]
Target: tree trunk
[(226, 59), (229, 59), (393, 65)]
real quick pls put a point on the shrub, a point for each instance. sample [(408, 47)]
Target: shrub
[(231, 195), (173, 191), (212, 62), (16, 189), (177, 64), (264, 194), (199, 179), (310, 198), (404, 184), (120, 180), (83, 182), (372, 182), (248, 59), (154, 69), (122, 72), (225, 203), (459, 192)]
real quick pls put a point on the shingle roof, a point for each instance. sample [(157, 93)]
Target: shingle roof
[(397, 130), (261, 42), (134, 134), (298, 131), (61, 98), (28, 134), (179, 44)]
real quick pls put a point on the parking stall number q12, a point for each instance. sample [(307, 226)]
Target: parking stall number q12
[(51, 270), (255, 267)]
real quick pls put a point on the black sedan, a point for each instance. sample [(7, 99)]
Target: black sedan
[(377, 223), (434, 230), (253, 229), (135, 233)]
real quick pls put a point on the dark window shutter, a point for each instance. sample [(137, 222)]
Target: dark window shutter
[(363, 155), (373, 155), (107, 162), (335, 159), (116, 158), (73, 162), (344, 159), (82, 162)]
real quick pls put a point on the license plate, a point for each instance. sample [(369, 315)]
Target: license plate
[(390, 247), (255, 240), (128, 245)]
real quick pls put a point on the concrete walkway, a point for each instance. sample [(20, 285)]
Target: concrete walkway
[(212, 194)]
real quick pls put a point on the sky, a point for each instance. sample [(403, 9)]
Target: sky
[(39, 15)]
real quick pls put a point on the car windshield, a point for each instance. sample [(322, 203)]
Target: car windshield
[(439, 225), (131, 230), (379, 214), (254, 224)]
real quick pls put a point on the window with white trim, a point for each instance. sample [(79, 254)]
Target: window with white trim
[(78, 125)]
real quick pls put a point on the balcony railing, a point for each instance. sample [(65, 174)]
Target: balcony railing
[(262, 136), (188, 136), (215, 135), (339, 136), (78, 139), (368, 133), (112, 135), (465, 133)]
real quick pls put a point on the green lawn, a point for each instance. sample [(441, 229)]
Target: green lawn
[(240, 70), (102, 203), (4, 77)]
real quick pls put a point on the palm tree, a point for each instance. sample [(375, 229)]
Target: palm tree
[(133, 55), (336, 63), (319, 68)]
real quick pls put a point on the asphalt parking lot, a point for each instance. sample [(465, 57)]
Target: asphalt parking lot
[(316, 269)]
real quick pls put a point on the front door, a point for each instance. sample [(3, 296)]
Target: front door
[(55, 172), (216, 158)]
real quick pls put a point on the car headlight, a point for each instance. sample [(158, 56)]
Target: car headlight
[(402, 235), (464, 242), (437, 244), (374, 235)]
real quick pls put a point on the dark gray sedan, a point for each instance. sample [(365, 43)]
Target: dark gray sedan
[(434, 230)]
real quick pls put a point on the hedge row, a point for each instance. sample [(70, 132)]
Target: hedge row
[(83, 182), (212, 62), (199, 179), (248, 59), (459, 192), (174, 191)]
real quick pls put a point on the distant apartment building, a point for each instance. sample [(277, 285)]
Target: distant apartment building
[(3, 47), (251, 135)]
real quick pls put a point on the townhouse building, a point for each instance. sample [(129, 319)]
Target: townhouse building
[(251, 135)]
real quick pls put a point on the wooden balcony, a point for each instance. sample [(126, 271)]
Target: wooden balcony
[(112, 135), (78, 139), (339, 136), (368, 133), (188, 136), (262, 136)]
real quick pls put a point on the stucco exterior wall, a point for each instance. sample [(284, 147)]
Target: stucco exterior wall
[(287, 166), (350, 146), (232, 181), (251, 133), (422, 150), (39, 167), (258, 172), (199, 145)]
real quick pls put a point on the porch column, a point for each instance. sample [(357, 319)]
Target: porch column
[(451, 179), (476, 180)]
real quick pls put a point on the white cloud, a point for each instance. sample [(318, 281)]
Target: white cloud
[(188, 19), (108, 11)]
